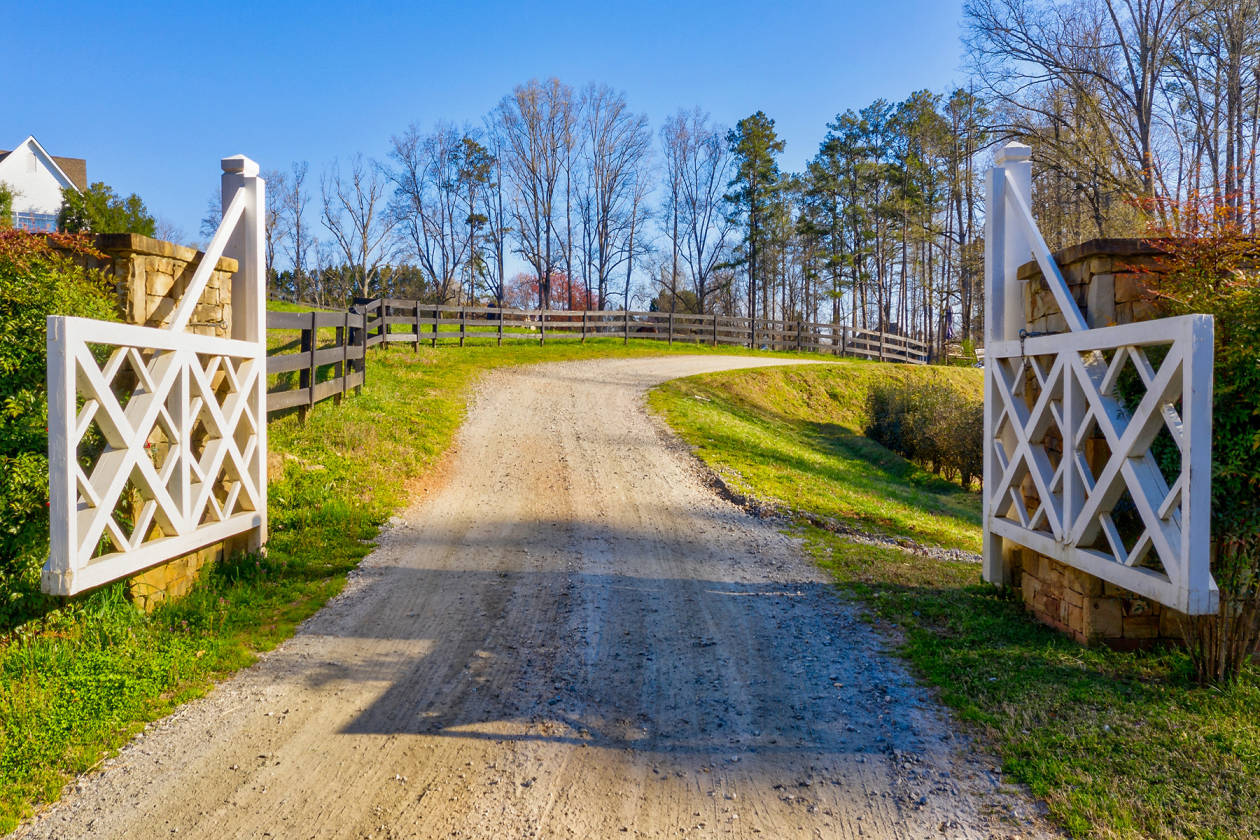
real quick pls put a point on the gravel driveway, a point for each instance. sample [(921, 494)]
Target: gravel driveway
[(569, 636)]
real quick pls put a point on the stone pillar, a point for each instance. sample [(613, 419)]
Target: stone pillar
[(1107, 278), (150, 277)]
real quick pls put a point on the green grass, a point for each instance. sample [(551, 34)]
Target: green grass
[(793, 435), (1120, 745), (77, 683)]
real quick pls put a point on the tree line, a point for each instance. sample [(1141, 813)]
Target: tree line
[(1136, 110)]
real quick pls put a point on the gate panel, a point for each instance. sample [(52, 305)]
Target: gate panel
[(1074, 467)]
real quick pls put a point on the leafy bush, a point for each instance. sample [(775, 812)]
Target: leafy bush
[(1212, 266), (932, 424), (39, 276)]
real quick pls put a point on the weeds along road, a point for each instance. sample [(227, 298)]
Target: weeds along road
[(569, 637)]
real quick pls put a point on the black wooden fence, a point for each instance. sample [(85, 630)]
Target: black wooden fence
[(330, 356)]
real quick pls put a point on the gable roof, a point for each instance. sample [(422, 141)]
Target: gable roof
[(70, 170)]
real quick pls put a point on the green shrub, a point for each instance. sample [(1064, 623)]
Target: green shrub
[(932, 424), (1214, 270), (39, 276)]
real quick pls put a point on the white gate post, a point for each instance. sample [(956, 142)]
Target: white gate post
[(249, 300), (1006, 248)]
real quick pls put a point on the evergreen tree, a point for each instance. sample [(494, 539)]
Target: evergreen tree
[(755, 146), (98, 209)]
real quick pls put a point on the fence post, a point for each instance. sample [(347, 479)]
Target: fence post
[(500, 344), (881, 345), (463, 324), (715, 329), (363, 362), (306, 375), (800, 327), (627, 314), (416, 345), (343, 367), (542, 327), (844, 339), (583, 341), (670, 341)]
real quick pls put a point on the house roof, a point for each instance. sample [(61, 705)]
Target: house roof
[(73, 170)]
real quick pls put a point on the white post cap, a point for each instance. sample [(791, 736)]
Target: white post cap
[(1013, 152), (240, 165)]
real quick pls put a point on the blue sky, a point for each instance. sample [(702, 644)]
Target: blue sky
[(153, 94)]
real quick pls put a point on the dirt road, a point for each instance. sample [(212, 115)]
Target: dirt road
[(571, 637)]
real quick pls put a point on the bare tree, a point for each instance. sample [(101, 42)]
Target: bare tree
[(434, 203), (617, 145), (697, 170), (636, 222), (298, 241), (168, 231), (274, 229), (1106, 56), (494, 207), (534, 124), (1214, 95), (354, 212)]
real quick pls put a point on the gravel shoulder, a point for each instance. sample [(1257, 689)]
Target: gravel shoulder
[(571, 636)]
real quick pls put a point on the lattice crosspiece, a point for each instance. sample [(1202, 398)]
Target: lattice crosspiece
[(157, 438)]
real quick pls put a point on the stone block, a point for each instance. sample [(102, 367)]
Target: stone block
[(1054, 323), (159, 283), (1144, 310), (1041, 303), (1028, 587), (1170, 623), (1141, 627), (158, 311), (1137, 607), (1106, 618), (207, 314), (1129, 287), (1100, 301)]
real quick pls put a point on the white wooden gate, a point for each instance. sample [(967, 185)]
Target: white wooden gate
[(1051, 401), (161, 449)]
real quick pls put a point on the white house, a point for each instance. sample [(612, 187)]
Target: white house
[(36, 180)]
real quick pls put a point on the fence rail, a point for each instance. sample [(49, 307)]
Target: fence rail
[(329, 359), (327, 354)]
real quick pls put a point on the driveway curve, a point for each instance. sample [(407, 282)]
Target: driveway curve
[(569, 637)]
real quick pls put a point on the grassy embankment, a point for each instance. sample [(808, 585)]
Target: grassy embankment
[(77, 683), (1120, 745)]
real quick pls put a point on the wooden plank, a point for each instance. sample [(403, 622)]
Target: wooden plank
[(324, 390), (280, 400), (287, 320)]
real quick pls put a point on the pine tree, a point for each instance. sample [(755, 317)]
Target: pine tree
[(755, 146)]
